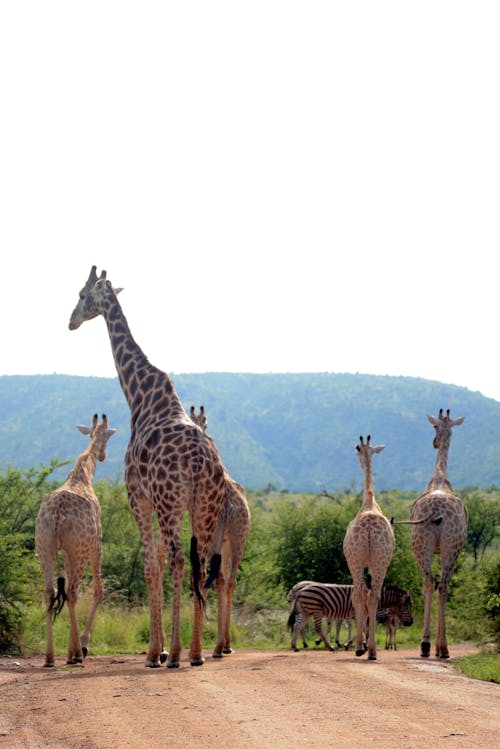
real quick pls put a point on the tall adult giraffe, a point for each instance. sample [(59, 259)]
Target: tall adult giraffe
[(438, 520), (170, 465), (368, 544), (234, 524), (69, 519)]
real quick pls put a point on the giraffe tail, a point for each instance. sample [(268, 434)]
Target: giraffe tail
[(58, 599), (428, 519), (196, 571)]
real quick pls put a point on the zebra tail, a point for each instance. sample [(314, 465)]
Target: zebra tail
[(291, 619)]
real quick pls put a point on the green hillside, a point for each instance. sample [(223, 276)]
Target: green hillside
[(295, 431)]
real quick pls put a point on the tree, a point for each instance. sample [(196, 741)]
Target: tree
[(484, 517)]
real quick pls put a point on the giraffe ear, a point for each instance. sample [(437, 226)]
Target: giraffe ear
[(433, 420), (110, 432), (117, 291), (378, 448), (457, 422), (83, 429)]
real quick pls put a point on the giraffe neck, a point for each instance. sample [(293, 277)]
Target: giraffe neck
[(84, 469), (368, 491), (441, 470), (440, 479), (141, 382)]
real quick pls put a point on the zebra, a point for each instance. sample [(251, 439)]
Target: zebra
[(329, 619), (318, 600)]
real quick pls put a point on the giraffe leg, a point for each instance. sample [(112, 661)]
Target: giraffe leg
[(49, 601), (75, 574), (235, 557), (98, 594), (359, 598), (162, 556), (153, 570), (220, 587), (230, 588), (176, 563), (442, 597), (373, 597), (428, 590)]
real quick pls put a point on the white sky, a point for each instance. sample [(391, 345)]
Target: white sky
[(278, 186)]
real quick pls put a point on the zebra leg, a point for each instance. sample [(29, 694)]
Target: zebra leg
[(299, 624), (319, 631)]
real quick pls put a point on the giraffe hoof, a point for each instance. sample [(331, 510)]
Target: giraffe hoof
[(49, 665), (360, 652), (217, 654), (444, 655), (425, 649), (197, 661), (85, 651), (173, 664), (227, 650), (152, 664), (372, 657)]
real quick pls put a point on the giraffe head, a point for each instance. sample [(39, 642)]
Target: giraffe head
[(199, 418), (92, 298), (443, 425), (99, 433), (365, 451)]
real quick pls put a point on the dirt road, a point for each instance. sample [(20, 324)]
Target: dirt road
[(249, 700)]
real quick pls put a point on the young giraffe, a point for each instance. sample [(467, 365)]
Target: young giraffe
[(439, 526), (170, 465), (69, 520), (368, 544), (234, 523)]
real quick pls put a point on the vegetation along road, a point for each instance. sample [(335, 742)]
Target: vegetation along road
[(249, 700)]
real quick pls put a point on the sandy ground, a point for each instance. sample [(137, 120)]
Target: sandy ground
[(250, 699)]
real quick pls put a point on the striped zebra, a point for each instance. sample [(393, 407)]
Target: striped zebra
[(317, 600), (329, 619)]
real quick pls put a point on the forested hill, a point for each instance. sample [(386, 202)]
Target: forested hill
[(295, 431)]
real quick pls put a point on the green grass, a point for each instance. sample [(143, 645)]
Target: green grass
[(484, 666), (125, 630)]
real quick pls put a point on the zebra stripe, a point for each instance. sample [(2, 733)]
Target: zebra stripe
[(317, 600)]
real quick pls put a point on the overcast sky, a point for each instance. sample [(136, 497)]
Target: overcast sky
[(278, 186)]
